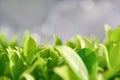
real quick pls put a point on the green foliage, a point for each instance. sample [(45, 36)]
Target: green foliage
[(57, 41), (90, 60), (74, 61), (29, 49), (78, 59)]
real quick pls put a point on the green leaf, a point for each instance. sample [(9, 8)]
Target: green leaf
[(108, 30), (114, 62), (74, 61), (3, 41), (90, 60), (76, 43), (114, 35), (115, 56), (88, 43), (4, 63), (103, 56), (63, 72), (4, 78), (13, 41), (56, 77), (57, 41), (37, 70), (29, 49), (15, 64), (66, 73), (26, 76), (48, 51)]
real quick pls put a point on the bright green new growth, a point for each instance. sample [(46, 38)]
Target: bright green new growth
[(78, 59)]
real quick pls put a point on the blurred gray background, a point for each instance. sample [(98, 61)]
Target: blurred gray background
[(66, 18)]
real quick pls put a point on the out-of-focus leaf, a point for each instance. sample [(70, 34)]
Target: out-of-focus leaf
[(115, 56), (63, 72), (103, 57), (114, 62), (74, 61), (13, 42), (108, 30), (38, 70), (57, 41), (15, 64), (4, 78), (66, 73), (4, 63), (26, 76), (76, 43), (29, 49), (3, 41), (48, 51), (113, 35), (88, 43), (56, 77), (90, 60), (53, 62)]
